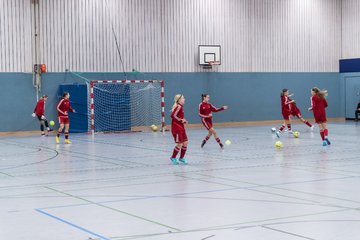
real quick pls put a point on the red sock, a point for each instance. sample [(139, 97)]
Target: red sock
[(326, 132), (307, 123), (322, 135), (175, 152), (58, 134), (183, 151), (218, 140), (282, 128), (206, 138), (289, 127), (66, 135)]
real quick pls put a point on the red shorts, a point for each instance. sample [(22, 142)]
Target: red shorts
[(207, 122), (286, 115), (320, 119), (64, 120), (180, 137)]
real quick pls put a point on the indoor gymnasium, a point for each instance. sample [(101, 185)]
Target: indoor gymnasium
[(179, 119)]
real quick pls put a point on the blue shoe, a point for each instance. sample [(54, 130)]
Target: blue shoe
[(174, 161), (324, 143), (183, 161), (278, 134), (327, 141)]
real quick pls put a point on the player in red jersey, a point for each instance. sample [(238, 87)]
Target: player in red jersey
[(178, 129), (63, 108), (39, 112), (286, 111), (205, 112), (318, 105), (295, 111)]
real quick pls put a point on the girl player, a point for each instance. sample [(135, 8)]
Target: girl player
[(295, 111), (318, 105), (63, 108), (39, 112), (178, 129), (286, 111), (205, 112)]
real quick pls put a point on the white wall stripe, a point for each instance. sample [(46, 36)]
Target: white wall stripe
[(163, 35)]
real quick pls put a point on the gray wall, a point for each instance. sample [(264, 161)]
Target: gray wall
[(250, 96)]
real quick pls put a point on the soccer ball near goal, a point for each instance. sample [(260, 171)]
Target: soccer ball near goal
[(154, 128)]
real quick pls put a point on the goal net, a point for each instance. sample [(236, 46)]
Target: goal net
[(125, 105)]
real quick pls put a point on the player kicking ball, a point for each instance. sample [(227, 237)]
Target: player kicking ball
[(205, 112)]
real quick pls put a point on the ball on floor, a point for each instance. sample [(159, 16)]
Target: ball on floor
[(278, 144), (227, 142), (154, 128), (296, 134)]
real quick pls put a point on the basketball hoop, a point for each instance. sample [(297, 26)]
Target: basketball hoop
[(210, 64)]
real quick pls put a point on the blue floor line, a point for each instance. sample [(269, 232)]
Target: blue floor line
[(72, 225)]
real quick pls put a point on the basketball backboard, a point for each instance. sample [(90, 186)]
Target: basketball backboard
[(209, 55)]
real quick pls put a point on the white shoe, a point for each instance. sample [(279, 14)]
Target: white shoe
[(290, 131), (312, 128), (278, 134)]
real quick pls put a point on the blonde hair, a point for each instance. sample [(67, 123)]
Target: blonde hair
[(176, 99), (321, 93)]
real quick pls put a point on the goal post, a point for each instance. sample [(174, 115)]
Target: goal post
[(126, 105)]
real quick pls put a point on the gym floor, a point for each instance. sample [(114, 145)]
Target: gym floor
[(123, 186)]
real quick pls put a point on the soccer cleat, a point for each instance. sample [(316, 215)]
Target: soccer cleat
[(312, 128), (278, 134), (57, 140), (324, 143), (183, 161), (203, 143), (327, 141), (67, 141), (290, 131), (174, 161)]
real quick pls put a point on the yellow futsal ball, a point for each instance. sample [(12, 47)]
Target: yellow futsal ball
[(278, 144), (154, 128), (296, 134), (227, 142), (52, 123)]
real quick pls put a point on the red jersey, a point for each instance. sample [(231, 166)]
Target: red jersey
[(318, 106), (40, 108), (205, 109), (177, 115), (285, 104), (63, 107)]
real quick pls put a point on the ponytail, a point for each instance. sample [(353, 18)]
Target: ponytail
[(176, 99), (321, 93)]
